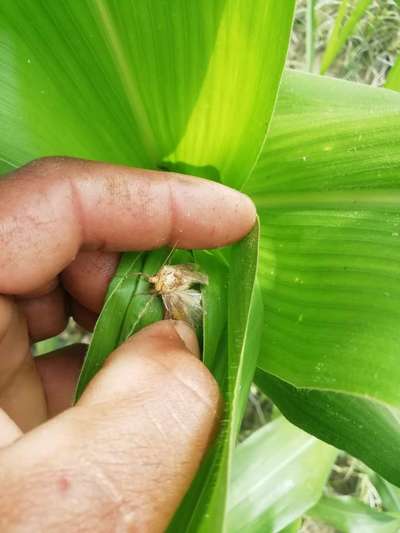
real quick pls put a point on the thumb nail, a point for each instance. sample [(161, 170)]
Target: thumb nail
[(188, 336)]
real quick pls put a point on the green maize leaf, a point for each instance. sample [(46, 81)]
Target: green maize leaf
[(349, 515), (364, 428), (278, 474), (228, 122), (106, 334), (6, 167), (393, 79), (327, 188), (215, 304), (342, 31), (141, 82), (203, 509), (245, 323)]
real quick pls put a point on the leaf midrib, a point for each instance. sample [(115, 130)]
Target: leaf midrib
[(378, 198)]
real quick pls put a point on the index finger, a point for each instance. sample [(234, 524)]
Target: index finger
[(54, 207)]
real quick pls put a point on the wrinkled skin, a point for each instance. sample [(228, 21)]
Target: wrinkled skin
[(123, 457)]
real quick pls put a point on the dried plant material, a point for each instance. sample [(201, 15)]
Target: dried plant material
[(176, 286)]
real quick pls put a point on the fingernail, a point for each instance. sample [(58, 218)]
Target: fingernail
[(188, 336), (248, 203)]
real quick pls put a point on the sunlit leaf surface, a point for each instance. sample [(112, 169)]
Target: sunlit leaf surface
[(146, 82), (278, 473), (328, 192)]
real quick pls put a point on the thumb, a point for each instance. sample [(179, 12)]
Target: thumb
[(125, 455)]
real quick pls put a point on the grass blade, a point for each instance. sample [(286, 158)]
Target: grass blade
[(342, 31), (393, 79), (310, 34)]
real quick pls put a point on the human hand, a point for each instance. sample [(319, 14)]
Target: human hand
[(122, 458)]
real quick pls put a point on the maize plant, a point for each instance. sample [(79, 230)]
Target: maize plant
[(307, 306)]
